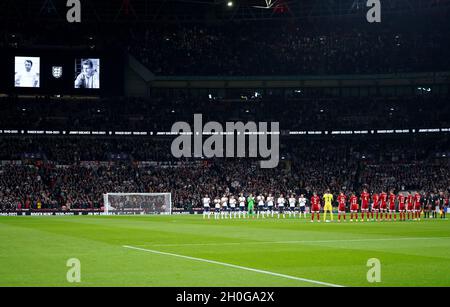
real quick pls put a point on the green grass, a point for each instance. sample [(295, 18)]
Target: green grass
[(34, 251)]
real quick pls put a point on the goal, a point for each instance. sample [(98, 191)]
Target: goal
[(137, 203)]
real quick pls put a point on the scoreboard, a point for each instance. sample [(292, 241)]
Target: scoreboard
[(61, 71)]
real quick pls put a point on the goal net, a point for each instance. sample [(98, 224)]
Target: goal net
[(137, 203)]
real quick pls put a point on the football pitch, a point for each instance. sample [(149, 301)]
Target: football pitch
[(186, 250)]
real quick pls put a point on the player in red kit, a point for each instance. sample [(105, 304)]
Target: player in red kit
[(409, 205), (353, 207), (315, 207), (392, 206), (383, 205), (401, 206), (365, 197), (342, 199), (375, 205), (417, 206)]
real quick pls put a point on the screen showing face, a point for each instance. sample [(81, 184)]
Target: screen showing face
[(27, 71), (87, 73)]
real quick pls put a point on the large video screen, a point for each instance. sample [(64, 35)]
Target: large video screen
[(61, 72), (87, 73), (27, 71)]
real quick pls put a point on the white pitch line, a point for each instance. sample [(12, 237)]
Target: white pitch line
[(296, 242), (234, 266)]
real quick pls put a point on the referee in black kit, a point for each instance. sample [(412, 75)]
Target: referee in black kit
[(439, 205)]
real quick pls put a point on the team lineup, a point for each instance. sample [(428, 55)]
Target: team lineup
[(365, 207)]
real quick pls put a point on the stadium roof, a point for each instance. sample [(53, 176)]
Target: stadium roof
[(206, 10)]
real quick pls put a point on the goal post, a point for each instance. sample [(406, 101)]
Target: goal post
[(137, 203)]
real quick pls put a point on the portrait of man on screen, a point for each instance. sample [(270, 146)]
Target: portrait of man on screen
[(88, 74), (26, 72)]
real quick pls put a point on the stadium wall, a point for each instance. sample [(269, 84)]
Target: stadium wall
[(137, 77)]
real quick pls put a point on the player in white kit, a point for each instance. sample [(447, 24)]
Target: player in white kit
[(280, 202), (206, 206), (232, 206), (224, 201), (216, 207), (292, 202), (270, 205), (302, 206), (241, 200), (260, 201)]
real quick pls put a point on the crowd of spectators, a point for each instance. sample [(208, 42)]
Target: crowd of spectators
[(73, 150), (293, 113), (305, 166), (288, 49)]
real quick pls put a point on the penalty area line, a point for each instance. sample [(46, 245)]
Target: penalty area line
[(234, 266)]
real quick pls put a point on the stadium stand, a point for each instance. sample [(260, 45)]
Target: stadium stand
[(49, 170)]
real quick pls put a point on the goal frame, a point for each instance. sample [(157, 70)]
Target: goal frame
[(106, 203)]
